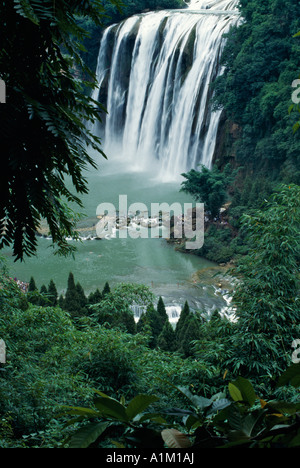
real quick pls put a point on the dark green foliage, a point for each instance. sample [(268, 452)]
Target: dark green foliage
[(143, 323), (82, 300), (217, 245), (32, 286), (61, 302), (267, 296), (106, 289), (156, 318), (261, 60), (161, 312), (33, 295), (190, 333), (52, 294), (235, 418), (113, 311), (225, 239), (150, 317), (70, 299), (167, 340), (44, 135), (182, 322), (75, 301), (43, 301), (209, 187), (95, 297)]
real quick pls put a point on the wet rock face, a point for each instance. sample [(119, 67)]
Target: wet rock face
[(228, 133)]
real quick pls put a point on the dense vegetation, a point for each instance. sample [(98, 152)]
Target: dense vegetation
[(208, 382), (259, 95), (44, 136), (261, 60), (79, 371)]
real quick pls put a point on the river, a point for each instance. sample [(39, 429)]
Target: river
[(174, 275)]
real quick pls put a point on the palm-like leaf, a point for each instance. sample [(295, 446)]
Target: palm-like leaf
[(44, 134)]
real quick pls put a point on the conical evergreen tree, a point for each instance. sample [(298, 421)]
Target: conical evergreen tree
[(32, 286), (181, 324), (52, 294), (43, 300), (143, 324), (82, 300), (166, 340), (71, 303), (61, 302), (151, 319), (192, 333), (156, 324), (81, 295), (127, 319), (161, 312), (106, 289), (33, 295), (95, 297)]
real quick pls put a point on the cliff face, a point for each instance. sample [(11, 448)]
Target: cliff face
[(228, 134)]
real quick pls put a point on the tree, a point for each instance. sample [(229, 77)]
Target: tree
[(190, 334), (182, 321), (81, 297), (161, 312), (61, 302), (143, 325), (52, 294), (155, 323), (73, 300), (260, 61), (43, 301), (106, 289), (166, 340), (209, 186), (95, 297), (114, 311), (32, 286), (44, 133), (266, 296), (33, 293)]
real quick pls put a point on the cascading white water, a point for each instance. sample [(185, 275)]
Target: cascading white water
[(154, 73)]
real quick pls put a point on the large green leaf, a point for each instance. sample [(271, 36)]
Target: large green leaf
[(197, 401), (290, 376), (139, 404), (78, 411), (284, 407), (87, 435), (111, 408), (235, 393), (242, 390)]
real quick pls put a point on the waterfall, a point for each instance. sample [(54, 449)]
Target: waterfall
[(173, 312), (155, 72)]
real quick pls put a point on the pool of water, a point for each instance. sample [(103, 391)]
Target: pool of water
[(150, 261)]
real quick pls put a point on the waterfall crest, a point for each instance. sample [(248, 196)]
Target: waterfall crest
[(154, 73)]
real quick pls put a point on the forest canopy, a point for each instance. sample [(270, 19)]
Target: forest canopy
[(261, 60)]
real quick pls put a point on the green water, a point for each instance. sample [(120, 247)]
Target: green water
[(150, 261)]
